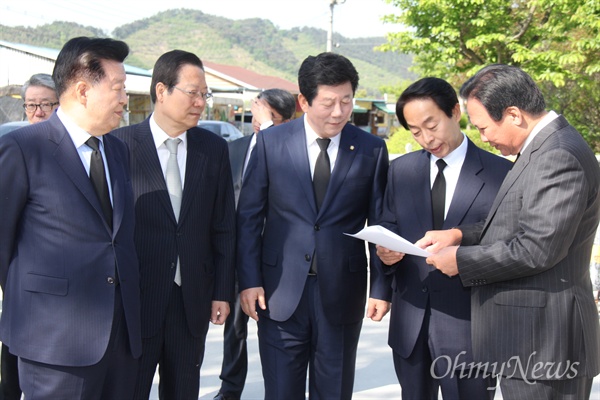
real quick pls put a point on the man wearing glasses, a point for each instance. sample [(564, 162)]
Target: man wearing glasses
[(39, 96), (185, 227)]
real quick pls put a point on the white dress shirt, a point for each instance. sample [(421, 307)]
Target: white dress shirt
[(454, 162), (79, 136), (313, 148), (159, 137)]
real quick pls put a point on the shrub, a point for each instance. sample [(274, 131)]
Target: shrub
[(400, 139)]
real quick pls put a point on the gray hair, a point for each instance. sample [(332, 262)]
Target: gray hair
[(44, 80)]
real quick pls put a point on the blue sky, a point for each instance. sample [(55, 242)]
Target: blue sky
[(353, 18)]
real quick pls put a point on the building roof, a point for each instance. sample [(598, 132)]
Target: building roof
[(52, 54), (220, 78), (247, 79)]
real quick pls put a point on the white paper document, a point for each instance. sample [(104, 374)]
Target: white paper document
[(384, 237)]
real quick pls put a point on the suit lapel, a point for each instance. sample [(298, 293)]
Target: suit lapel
[(149, 165), (467, 188), (421, 198), (298, 156), (522, 163), (346, 153), (194, 170), (238, 156), (117, 182), (67, 157)]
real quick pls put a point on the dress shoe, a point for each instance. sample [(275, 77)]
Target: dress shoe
[(225, 396)]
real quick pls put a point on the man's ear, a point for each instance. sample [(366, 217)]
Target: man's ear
[(160, 91), (81, 91), (303, 102), (514, 115)]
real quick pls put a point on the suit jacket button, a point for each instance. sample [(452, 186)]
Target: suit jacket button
[(424, 289), (307, 257), (317, 228), (110, 280), (173, 265)]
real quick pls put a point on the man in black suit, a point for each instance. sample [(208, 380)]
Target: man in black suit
[(271, 107), (431, 313), (532, 305), (185, 227), (68, 265)]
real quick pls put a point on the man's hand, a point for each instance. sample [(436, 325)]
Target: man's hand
[(248, 299), (445, 260), (434, 241), (387, 256), (219, 312), (261, 113), (376, 309)]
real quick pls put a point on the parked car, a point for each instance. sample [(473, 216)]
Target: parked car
[(224, 129), (11, 126)]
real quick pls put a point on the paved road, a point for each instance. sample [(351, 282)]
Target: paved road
[(375, 376)]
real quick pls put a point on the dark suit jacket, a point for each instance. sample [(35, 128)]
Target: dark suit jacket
[(407, 211), (204, 238), (237, 156), (57, 254), (278, 196), (531, 289)]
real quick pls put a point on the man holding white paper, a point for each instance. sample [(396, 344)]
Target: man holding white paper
[(449, 182)]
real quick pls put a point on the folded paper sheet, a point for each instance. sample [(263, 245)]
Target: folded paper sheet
[(384, 237)]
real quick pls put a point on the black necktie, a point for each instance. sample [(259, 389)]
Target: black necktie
[(438, 196), (320, 181), (98, 178), (322, 172)]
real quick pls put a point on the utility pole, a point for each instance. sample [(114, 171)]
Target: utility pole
[(332, 3)]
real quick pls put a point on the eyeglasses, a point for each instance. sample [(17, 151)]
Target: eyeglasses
[(194, 94), (45, 107)]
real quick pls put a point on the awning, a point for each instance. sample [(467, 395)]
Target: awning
[(359, 110), (384, 107)]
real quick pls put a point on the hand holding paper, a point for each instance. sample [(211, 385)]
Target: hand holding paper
[(379, 235)]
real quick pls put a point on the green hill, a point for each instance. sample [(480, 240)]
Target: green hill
[(255, 44)]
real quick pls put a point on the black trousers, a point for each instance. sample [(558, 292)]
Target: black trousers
[(177, 353), (235, 352), (9, 375)]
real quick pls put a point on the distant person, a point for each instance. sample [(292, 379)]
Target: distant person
[(271, 107), (305, 282), (532, 306), (68, 266), (39, 98), (185, 227), (431, 313)]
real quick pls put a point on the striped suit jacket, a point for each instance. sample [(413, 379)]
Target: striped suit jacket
[(533, 311), (204, 237)]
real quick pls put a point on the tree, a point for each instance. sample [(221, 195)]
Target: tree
[(556, 41)]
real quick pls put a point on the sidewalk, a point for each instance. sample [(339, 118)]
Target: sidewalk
[(375, 376)]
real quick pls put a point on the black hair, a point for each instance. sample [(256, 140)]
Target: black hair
[(81, 58), (436, 89), (500, 86), (167, 68), (329, 69)]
